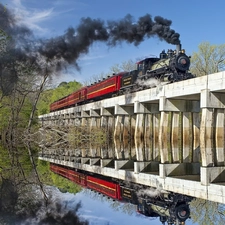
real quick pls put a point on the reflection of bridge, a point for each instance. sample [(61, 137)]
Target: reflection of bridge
[(178, 132)]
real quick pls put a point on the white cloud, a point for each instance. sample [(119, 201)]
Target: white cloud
[(38, 15), (34, 17), (31, 17)]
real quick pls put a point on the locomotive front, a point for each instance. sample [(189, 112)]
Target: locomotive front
[(180, 60), (179, 64), (171, 66)]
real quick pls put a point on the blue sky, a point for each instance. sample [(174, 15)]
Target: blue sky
[(195, 21)]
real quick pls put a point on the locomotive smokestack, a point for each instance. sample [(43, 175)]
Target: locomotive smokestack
[(178, 48)]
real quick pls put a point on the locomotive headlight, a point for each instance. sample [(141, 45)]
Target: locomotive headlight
[(182, 212), (183, 61)]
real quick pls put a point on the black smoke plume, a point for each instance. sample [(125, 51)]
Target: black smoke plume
[(131, 32), (54, 54), (77, 41), (13, 47)]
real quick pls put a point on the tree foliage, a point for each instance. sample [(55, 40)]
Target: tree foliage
[(209, 59), (50, 178), (3, 41), (124, 66), (50, 95), (207, 212)]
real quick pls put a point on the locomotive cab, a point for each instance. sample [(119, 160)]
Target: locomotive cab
[(145, 64)]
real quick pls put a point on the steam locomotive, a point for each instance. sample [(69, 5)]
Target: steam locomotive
[(170, 67), (169, 207)]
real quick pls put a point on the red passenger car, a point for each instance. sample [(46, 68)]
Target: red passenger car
[(59, 104), (71, 100), (70, 174), (105, 88), (76, 177), (105, 187), (77, 97), (59, 170)]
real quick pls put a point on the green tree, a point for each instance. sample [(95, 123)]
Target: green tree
[(209, 59), (207, 212), (50, 178), (50, 95)]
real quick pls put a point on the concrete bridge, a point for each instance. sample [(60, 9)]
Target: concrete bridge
[(177, 130)]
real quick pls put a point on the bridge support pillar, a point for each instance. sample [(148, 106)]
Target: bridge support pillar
[(76, 160), (146, 167), (148, 137), (94, 161), (132, 132), (155, 135), (212, 137), (177, 127), (138, 137), (212, 175), (179, 169), (122, 130), (118, 137), (144, 129), (146, 107), (164, 137), (85, 160), (94, 126), (123, 110), (206, 137), (212, 127), (104, 129), (124, 164), (107, 163), (111, 125), (106, 111)]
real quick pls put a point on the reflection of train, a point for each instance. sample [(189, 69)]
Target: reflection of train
[(170, 67), (169, 207)]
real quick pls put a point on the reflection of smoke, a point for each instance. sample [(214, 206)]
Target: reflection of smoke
[(57, 211)]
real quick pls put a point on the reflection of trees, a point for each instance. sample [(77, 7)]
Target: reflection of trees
[(72, 136), (18, 173), (126, 208), (207, 213), (52, 179), (21, 195)]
